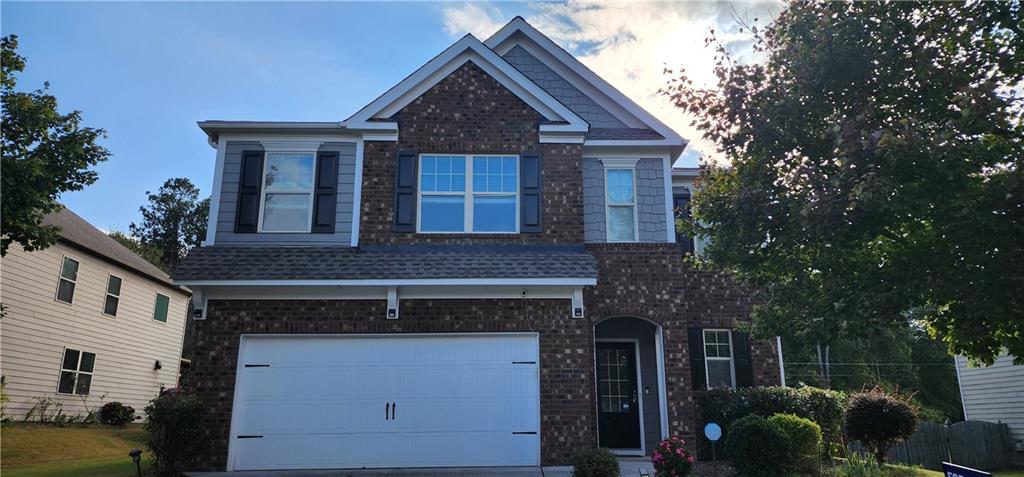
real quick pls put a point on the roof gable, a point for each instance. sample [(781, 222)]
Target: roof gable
[(377, 114), (519, 33)]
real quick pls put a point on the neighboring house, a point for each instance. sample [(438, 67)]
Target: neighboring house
[(479, 268), (995, 394), (87, 322)]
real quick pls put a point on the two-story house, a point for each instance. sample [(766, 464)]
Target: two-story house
[(86, 321), (478, 268)]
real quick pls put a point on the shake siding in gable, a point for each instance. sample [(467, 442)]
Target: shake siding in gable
[(229, 197), (37, 328)]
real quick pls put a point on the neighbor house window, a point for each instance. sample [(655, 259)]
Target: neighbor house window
[(478, 194), (287, 203), (113, 295), (163, 302), (718, 361), (620, 199), (67, 280), (76, 372)]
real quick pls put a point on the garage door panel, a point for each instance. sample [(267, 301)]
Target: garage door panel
[(319, 402)]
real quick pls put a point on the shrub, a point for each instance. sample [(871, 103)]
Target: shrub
[(805, 436), (595, 463), (825, 407), (116, 414), (174, 424), (757, 448), (671, 459), (878, 420), (858, 465)]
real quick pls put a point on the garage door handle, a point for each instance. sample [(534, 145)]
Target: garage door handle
[(392, 411), (386, 410)]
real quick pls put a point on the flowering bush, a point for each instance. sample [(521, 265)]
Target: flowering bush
[(671, 459)]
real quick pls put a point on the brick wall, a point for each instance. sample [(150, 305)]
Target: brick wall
[(651, 281), (471, 112), (567, 401)]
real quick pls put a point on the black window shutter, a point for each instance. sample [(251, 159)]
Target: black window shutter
[(697, 374), (405, 192), (743, 365), (250, 183), (530, 193), (325, 197)]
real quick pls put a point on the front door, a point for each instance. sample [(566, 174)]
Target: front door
[(617, 396)]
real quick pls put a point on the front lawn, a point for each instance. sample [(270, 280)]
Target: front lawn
[(31, 450)]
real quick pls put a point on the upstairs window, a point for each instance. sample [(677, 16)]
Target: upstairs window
[(718, 362), (681, 207), (287, 202), (620, 200), (76, 372), (113, 296), (163, 302), (476, 194), (67, 280)]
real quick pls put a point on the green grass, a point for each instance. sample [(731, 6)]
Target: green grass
[(30, 450)]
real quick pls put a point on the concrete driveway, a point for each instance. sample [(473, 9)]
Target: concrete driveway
[(630, 467)]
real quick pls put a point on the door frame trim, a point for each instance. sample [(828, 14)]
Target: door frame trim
[(244, 338), (639, 392)]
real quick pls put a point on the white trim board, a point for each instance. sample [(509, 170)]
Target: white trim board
[(568, 281), (468, 49)]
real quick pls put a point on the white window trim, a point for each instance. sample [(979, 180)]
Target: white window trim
[(264, 192), (619, 165), (467, 221), (106, 293), (155, 301), (60, 276), (731, 359), (78, 364)]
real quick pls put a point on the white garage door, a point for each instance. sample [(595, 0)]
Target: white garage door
[(386, 401)]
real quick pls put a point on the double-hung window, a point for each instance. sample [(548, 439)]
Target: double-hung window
[(718, 361), (67, 281), (76, 372), (113, 295), (468, 194), (620, 200), (287, 202)]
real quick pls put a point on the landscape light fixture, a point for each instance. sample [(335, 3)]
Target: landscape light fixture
[(136, 455)]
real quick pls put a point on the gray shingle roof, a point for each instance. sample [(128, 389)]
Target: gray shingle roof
[(623, 133), (76, 230), (384, 262)]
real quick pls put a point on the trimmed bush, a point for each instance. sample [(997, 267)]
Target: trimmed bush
[(174, 423), (805, 437), (116, 414), (671, 459), (758, 448), (878, 420), (595, 463), (825, 407)]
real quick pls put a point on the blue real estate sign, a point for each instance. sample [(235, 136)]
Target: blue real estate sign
[(953, 470)]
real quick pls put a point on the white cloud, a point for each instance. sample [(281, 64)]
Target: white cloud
[(480, 19), (630, 44)]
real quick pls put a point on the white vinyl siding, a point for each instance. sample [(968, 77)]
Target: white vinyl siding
[(37, 329), (994, 394)]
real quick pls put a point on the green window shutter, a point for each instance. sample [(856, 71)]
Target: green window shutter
[(162, 303)]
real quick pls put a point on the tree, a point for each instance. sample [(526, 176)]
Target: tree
[(45, 153), (878, 420), (150, 253), (173, 222), (875, 169)]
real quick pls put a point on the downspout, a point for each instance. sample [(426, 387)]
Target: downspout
[(782, 367)]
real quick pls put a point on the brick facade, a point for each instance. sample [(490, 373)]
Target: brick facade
[(471, 112)]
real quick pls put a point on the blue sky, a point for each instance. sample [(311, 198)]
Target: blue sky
[(146, 72)]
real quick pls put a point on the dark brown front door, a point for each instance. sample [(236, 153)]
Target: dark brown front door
[(618, 407)]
